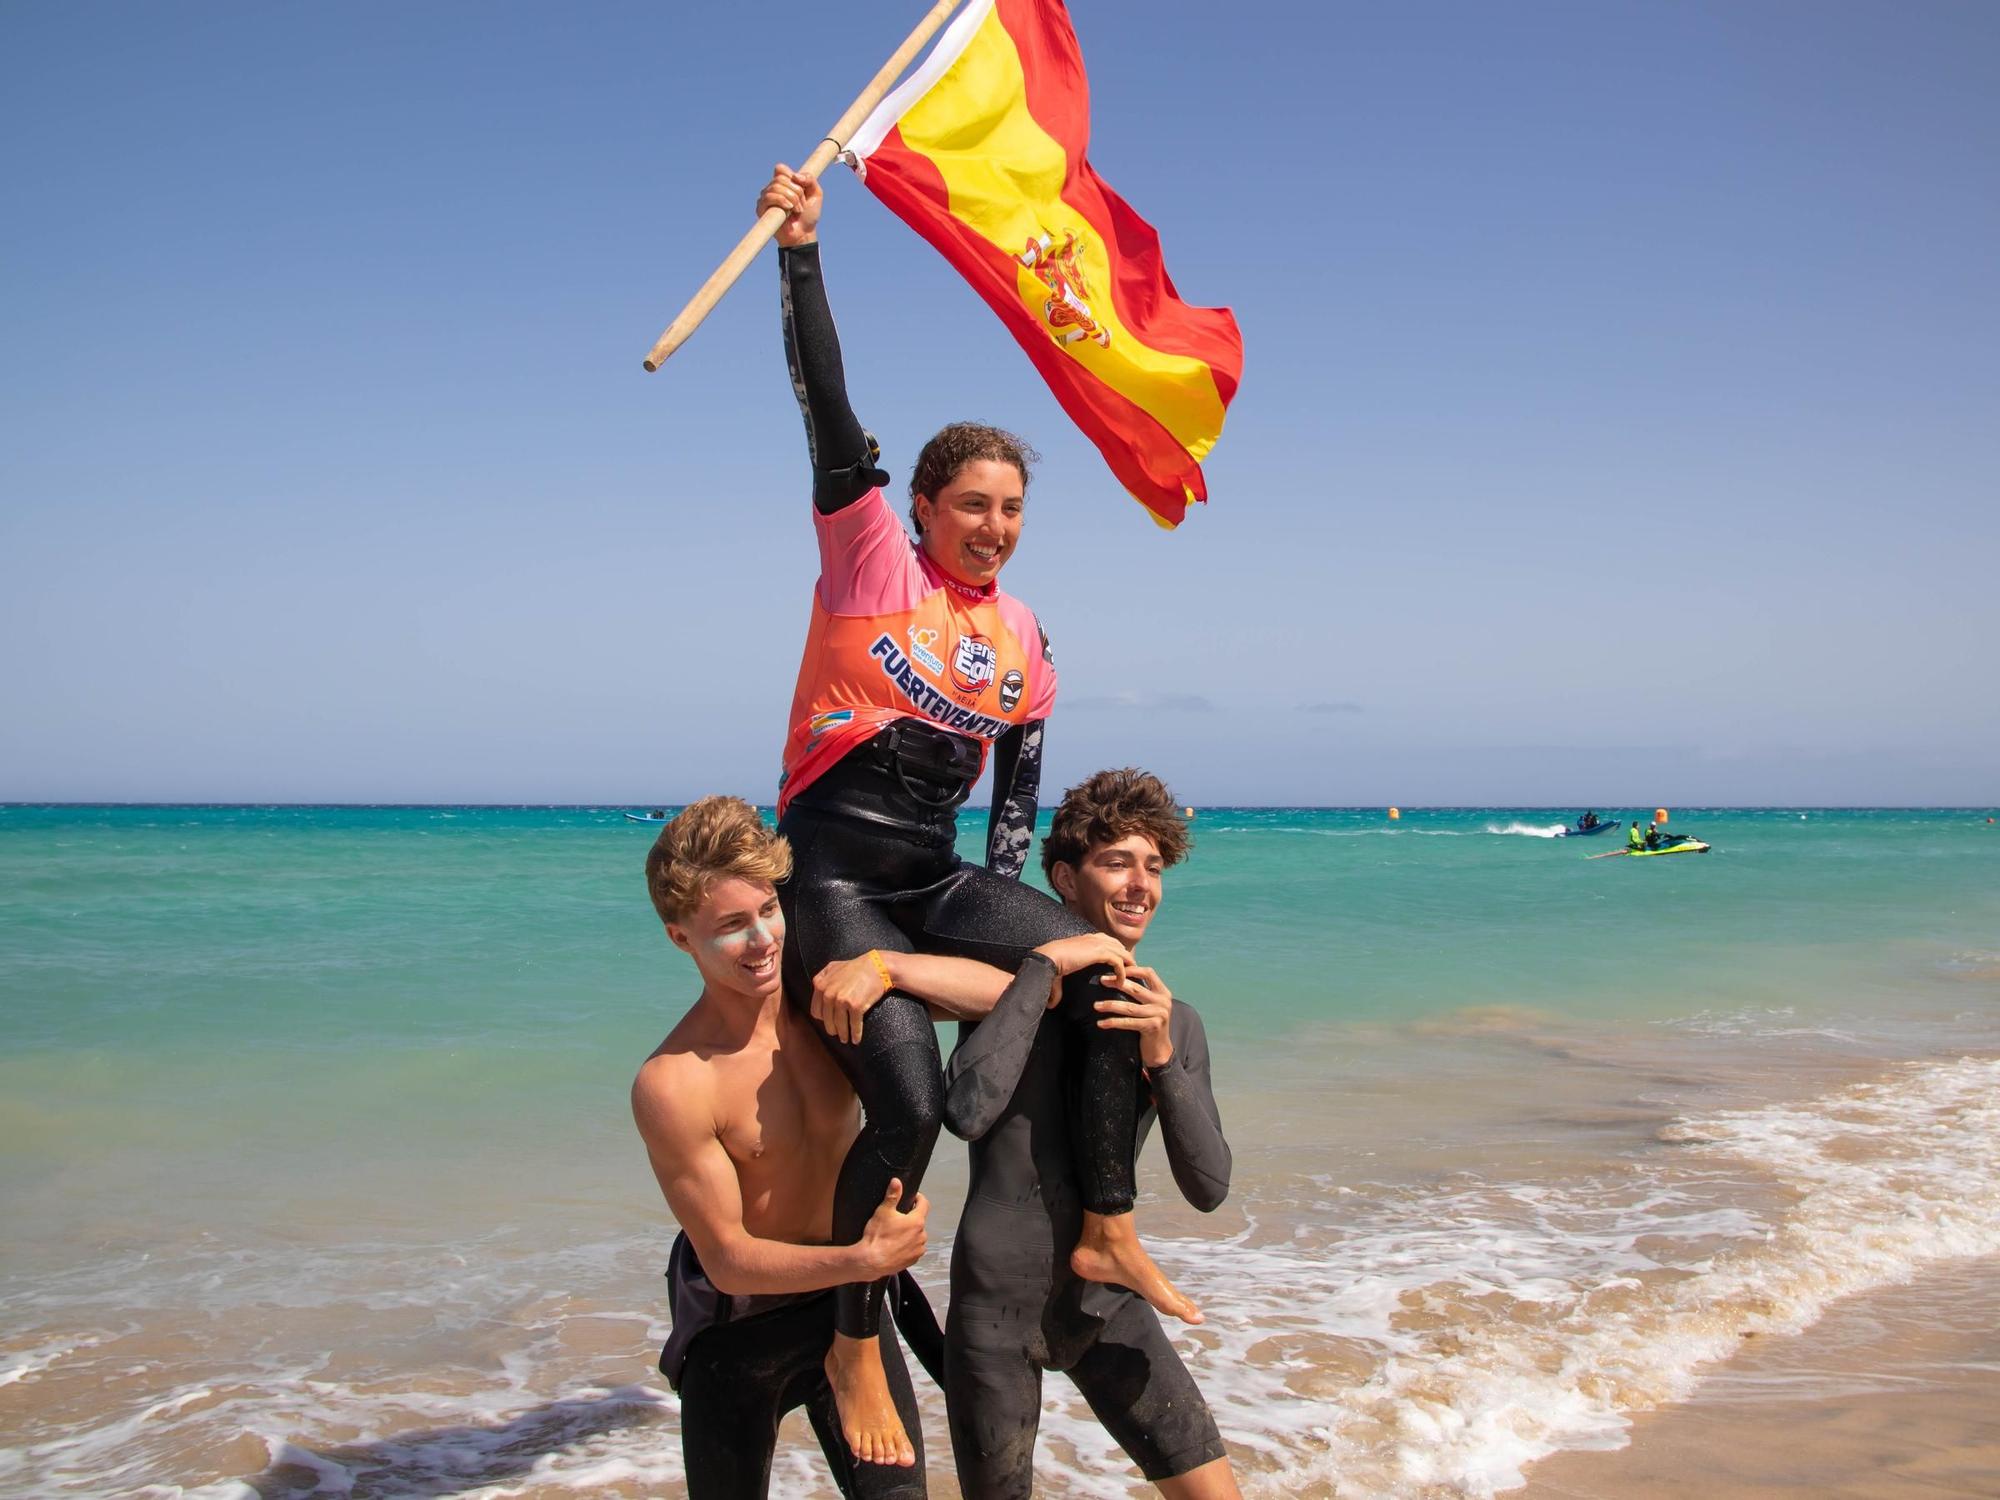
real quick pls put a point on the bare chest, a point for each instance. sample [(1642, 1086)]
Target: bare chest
[(788, 1126)]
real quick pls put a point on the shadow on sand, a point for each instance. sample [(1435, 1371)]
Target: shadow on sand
[(446, 1460)]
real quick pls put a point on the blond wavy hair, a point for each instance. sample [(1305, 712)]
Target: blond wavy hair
[(711, 840)]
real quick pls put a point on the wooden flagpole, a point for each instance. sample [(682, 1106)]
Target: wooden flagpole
[(738, 260)]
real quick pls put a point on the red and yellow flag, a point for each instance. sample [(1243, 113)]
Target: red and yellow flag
[(982, 152)]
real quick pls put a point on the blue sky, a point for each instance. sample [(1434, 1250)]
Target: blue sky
[(1620, 420)]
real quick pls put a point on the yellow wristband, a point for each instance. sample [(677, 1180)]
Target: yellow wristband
[(882, 968)]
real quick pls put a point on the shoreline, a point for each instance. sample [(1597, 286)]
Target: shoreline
[(1462, 1273), (334, 1190), (1893, 1395)]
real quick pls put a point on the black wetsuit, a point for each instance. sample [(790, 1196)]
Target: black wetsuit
[(1016, 1308), (741, 1363), (873, 866)]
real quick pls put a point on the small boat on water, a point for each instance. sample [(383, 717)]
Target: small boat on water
[(1587, 825), (657, 815)]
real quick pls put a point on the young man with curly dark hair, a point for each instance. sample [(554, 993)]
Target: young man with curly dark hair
[(1020, 1304)]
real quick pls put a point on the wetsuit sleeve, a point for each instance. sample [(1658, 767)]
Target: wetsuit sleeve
[(1190, 1124), (985, 1066), (1017, 793), (843, 455)]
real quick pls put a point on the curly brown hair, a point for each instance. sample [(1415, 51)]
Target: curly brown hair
[(711, 840), (956, 446), (1110, 806)]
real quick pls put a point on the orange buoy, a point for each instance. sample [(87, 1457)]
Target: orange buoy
[(1395, 813), (1187, 812), (1659, 815)]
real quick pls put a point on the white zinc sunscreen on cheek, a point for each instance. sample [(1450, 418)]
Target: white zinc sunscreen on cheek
[(733, 945)]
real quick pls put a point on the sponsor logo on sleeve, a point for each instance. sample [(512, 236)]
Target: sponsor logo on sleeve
[(1011, 687)]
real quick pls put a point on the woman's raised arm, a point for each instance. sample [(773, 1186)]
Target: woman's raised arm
[(843, 454)]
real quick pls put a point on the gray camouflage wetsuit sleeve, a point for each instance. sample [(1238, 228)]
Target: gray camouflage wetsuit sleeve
[(1016, 1308)]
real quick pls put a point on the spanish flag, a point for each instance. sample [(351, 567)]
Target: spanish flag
[(982, 151)]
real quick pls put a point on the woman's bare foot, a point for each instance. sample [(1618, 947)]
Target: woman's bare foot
[(1109, 1250), (868, 1418)]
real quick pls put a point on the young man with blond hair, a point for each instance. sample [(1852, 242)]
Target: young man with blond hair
[(746, 1119)]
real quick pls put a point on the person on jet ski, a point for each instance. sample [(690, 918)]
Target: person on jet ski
[(1634, 839)]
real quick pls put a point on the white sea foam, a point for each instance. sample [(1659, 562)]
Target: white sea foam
[(1528, 830), (1345, 833), (1887, 1177), (19, 1364), (1370, 1340), (1757, 1021)]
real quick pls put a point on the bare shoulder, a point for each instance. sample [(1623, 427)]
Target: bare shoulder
[(674, 1091)]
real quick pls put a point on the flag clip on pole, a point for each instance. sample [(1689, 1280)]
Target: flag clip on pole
[(738, 260)]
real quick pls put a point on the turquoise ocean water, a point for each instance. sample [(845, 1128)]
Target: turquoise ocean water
[(358, 1075)]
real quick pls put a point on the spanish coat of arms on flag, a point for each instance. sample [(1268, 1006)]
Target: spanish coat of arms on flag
[(982, 151)]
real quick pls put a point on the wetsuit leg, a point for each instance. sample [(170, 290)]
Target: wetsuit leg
[(741, 1379), (993, 1397), (978, 914), (729, 1417), (918, 1325), (895, 1068), (899, 1077), (1142, 1393), (1102, 1095)]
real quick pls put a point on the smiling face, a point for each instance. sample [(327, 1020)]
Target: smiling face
[(736, 937), (1116, 888), (970, 526)]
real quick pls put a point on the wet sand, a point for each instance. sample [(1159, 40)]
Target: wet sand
[(1893, 1395), (1438, 1241)]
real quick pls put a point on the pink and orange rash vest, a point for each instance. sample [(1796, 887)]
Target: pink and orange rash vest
[(894, 637)]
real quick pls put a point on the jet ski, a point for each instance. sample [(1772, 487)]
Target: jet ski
[(1683, 845)]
